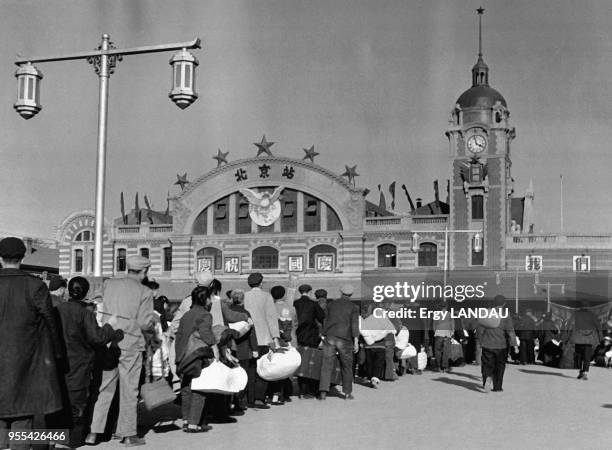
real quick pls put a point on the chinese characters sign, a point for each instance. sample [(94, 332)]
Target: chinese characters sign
[(533, 263), (296, 263), (205, 263), (325, 262), (264, 171), (232, 264)]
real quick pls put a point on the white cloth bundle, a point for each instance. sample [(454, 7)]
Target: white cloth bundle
[(219, 379), (279, 365), (422, 360), (401, 338), (408, 352), (241, 327), (374, 329)]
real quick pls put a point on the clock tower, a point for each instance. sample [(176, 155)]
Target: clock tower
[(479, 137)]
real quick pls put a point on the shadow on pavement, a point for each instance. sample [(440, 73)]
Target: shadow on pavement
[(538, 372), (461, 383), (607, 405), (466, 375)]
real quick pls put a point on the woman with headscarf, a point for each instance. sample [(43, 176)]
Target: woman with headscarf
[(82, 336), (195, 345)]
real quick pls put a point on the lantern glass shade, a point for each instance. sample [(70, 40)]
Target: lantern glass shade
[(183, 79), (28, 91), (415, 242), (477, 242)]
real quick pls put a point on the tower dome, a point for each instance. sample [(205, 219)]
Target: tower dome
[(480, 95)]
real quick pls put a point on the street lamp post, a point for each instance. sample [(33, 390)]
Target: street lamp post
[(104, 60), (477, 244)]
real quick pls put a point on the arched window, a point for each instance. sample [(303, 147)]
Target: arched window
[(428, 255), (387, 255), (210, 258), (84, 236), (144, 251), (322, 257), (78, 260), (265, 258), (121, 260)]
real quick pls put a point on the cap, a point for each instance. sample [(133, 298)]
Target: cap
[(254, 279), (137, 262), (12, 248), (57, 283), (305, 288), (204, 277), (347, 289)]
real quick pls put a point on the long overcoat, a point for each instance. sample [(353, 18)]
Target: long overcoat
[(30, 343)]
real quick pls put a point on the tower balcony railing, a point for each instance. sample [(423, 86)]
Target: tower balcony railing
[(559, 240)]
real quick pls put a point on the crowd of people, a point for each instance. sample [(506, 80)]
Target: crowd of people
[(68, 354)]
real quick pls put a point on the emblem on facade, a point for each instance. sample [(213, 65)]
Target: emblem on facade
[(264, 208)]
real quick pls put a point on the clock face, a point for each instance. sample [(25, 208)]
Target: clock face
[(477, 143)]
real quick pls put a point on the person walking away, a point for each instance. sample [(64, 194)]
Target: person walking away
[(83, 336), (265, 321), (527, 335), (195, 345), (444, 329), (340, 335), (246, 352), (31, 346), (310, 316), (586, 334), (321, 297), (132, 302), (495, 342)]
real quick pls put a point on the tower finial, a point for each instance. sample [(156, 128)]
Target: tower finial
[(480, 12)]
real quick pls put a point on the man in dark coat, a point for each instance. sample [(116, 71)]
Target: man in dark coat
[(309, 316), (585, 335), (31, 346), (340, 335)]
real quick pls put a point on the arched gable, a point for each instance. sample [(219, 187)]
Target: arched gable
[(348, 202)]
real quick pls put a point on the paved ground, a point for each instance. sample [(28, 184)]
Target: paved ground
[(539, 408)]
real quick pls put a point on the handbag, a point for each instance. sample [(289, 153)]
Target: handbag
[(155, 393)]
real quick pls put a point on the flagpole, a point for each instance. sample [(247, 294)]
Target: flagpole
[(561, 176)]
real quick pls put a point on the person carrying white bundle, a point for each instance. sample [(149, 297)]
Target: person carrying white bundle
[(374, 330)]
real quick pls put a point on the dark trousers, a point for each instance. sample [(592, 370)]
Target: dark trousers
[(14, 424), (375, 362), (493, 365), (192, 403), (527, 351), (584, 353), (345, 354), (442, 351), (250, 367), (79, 400)]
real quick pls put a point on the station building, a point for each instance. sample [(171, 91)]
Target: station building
[(299, 222)]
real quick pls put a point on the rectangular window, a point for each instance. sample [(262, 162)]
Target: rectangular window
[(78, 260), (475, 173), (221, 221), (91, 260), (121, 260), (477, 207), (289, 212), (478, 257), (21, 93), (167, 259), (312, 216), (144, 252)]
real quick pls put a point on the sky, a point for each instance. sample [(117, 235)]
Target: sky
[(366, 82)]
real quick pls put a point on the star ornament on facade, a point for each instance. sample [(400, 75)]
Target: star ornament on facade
[(351, 173), (221, 157), (480, 10), (181, 180), (264, 146), (310, 154)]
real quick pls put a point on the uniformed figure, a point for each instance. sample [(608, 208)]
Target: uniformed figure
[(132, 303), (31, 346)]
